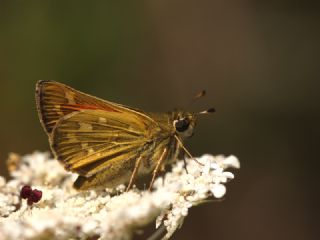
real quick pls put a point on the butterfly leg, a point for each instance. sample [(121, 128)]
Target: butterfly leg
[(185, 163), (157, 168), (186, 151), (134, 173)]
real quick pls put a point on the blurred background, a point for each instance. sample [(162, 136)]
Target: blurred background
[(258, 61)]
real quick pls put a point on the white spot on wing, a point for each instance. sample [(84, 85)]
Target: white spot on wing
[(102, 120), (90, 151), (85, 127), (70, 97)]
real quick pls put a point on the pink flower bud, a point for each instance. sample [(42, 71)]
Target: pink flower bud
[(35, 195), (25, 192)]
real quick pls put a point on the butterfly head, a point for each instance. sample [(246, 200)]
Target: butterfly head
[(185, 122)]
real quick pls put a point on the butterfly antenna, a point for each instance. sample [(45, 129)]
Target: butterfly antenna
[(196, 97), (199, 95)]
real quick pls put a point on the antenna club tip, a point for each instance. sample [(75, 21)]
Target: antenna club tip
[(211, 110)]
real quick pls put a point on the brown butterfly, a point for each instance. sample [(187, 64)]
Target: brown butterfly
[(107, 143)]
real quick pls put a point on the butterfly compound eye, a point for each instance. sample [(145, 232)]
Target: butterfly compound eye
[(181, 125)]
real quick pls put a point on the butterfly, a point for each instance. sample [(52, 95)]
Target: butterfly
[(107, 143)]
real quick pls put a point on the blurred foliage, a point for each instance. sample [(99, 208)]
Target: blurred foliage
[(258, 62)]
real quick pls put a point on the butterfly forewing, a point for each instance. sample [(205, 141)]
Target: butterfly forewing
[(55, 100)]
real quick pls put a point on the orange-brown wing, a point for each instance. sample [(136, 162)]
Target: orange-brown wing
[(55, 100), (86, 133)]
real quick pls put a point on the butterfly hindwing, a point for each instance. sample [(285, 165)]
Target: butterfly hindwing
[(86, 140)]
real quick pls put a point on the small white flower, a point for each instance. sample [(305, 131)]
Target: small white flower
[(64, 213), (218, 190)]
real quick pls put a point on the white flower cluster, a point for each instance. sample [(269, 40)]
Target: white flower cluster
[(64, 213)]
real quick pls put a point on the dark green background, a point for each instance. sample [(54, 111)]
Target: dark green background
[(258, 61)]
